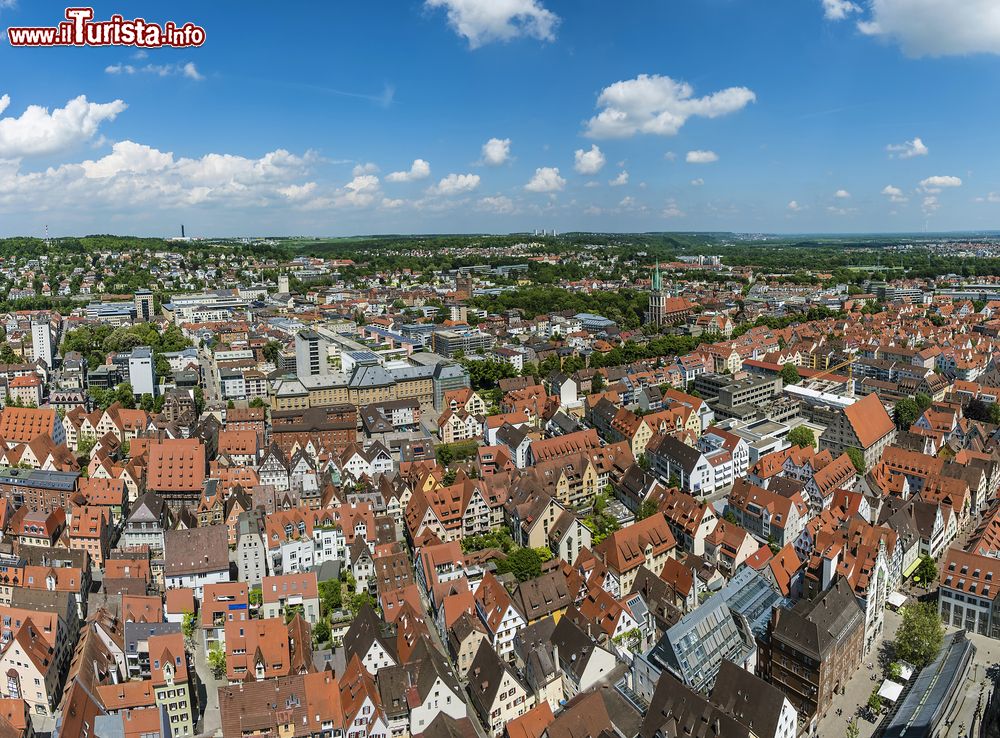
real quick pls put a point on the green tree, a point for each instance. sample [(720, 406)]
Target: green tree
[(146, 402), (321, 633), (906, 413), (790, 374), (258, 402), (874, 702), (255, 596), (597, 383), (926, 571), (646, 509), (330, 595), (125, 396), (857, 458), (217, 661), (189, 623), (524, 564), (199, 400), (995, 413), (923, 401), (358, 600), (802, 436), (853, 731), (919, 636)]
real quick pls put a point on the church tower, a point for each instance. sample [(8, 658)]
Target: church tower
[(657, 299)]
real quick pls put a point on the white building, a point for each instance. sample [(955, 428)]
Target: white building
[(41, 342), (141, 373)]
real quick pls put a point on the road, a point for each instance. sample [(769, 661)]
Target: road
[(210, 374)]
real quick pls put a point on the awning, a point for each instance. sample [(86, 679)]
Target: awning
[(890, 690), (905, 670), (912, 567), (896, 599)]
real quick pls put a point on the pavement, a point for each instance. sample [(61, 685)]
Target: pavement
[(210, 722), (858, 690)]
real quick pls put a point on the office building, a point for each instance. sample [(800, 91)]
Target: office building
[(309, 354), (141, 373), (41, 342), (143, 305)]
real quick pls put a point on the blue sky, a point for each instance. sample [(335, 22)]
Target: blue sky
[(338, 118)]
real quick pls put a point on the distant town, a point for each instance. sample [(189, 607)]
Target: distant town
[(544, 485)]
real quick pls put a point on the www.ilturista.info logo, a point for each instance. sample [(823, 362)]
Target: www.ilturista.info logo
[(80, 29)]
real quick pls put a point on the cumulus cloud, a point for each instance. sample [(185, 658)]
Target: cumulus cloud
[(842, 195), (420, 169), (188, 70), (672, 210), (621, 180), (38, 131), (930, 27), (134, 175), (455, 184), (992, 197), (794, 207), (670, 156), (907, 149), (360, 192), (499, 204), (659, 105), (839, 9), (894, 194), (589, 162), (701, 157), (483, 21), (935, 184), (496, 151), (364, 168), (930, 204), (546, 179)]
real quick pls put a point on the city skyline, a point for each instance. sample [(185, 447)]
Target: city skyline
[(450, 116)]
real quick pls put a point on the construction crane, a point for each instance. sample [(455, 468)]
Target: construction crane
[(849, 364)]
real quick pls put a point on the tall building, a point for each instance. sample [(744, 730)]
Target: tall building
[(463, 287), (41, 342), (141, 372), (283, 284), (309, 358), (657, 299), (143, 305)]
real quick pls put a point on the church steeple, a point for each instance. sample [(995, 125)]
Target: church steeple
[(656, 277)]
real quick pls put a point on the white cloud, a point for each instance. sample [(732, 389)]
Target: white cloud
[(701, 157), (670, 156), (297, 193), (390, 204), (620, 181), (697, 182), (188, 70), (935, 184), (930, 204), (455, 184), (483, 21), (794, 207), (500, 204), (364, 168), (840, 211), (496, 151), (671, 210), (360, 192), (842, 195), (589, 162), (894, 194), (420, 169), (659, 105), (592, 183), (907, 150), (546, 179), (992, 197), (130, 157), (935, 27), (839, 9), (38, 131)]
